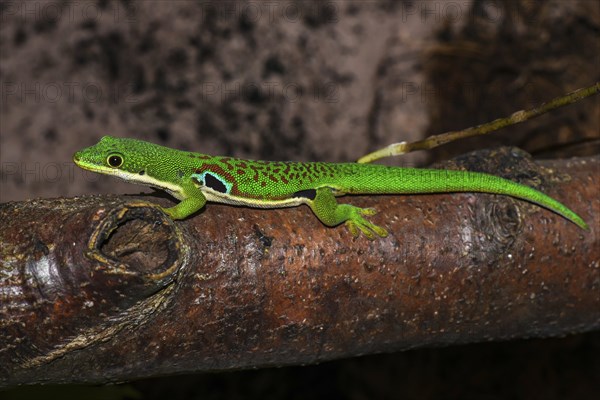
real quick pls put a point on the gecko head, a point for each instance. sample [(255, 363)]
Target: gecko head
[(124, 158)]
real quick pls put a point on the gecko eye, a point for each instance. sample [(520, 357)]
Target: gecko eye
[(114, 160)]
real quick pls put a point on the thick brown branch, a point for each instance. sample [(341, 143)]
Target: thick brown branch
[(112, 289)]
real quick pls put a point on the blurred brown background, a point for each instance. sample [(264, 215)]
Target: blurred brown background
[(306, 80)]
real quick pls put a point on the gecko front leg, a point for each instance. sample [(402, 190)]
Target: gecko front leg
[(193, 201)]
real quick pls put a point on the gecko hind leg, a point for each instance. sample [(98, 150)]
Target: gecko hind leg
[(330, 213)]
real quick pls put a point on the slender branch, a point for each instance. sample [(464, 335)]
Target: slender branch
[(513, 119)]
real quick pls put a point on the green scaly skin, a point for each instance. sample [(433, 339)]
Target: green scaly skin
[(196, 178)]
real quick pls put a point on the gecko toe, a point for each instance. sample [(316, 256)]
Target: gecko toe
[(368, 211)]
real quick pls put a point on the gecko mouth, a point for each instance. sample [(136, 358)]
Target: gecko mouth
[(82, 164), (77, 159), (93, 167)]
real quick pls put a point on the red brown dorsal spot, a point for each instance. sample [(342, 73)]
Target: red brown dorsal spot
[(256, 174), (226, 161)]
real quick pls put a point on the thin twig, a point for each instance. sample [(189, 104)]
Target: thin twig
[(513, 119)]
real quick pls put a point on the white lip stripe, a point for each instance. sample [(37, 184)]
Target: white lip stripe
[(145, 179)]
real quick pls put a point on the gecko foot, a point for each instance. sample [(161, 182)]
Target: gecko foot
[(357, 223)]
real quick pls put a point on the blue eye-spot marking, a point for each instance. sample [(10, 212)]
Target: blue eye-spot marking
[(213, 181)]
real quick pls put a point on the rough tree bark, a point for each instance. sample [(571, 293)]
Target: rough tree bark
[(102, 289)]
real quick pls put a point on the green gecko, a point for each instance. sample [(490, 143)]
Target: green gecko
[(196, 178)]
